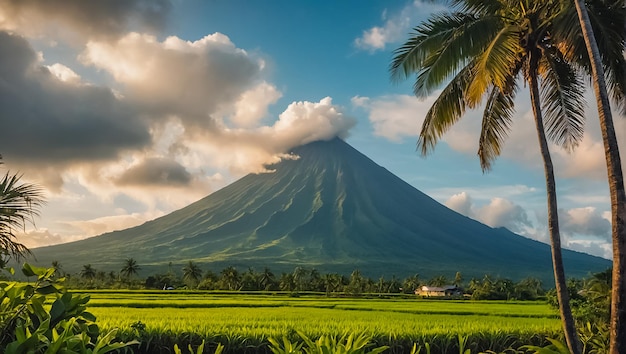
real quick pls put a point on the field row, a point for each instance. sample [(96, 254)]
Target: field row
[(415, 306), (246, 321)]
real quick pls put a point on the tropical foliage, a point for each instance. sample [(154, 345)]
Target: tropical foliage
[(130, 268), (19, 203), (28, 326)]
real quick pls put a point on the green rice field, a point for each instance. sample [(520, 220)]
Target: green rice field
[(243, 322)]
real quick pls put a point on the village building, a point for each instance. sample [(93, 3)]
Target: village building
[(436, 291)]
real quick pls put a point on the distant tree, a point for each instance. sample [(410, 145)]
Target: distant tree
[(330, 282), (130, 268), (249, 280), (19, 204), (411, 283), (439, 280), (315, 281), (230, 278), (528, 289), (191, 274), (300, 278), (88, 272), (58, 269), (355, 286), (286, 282), (209, 281), (381, 285), (266, 280), (505, 288), (393, 286), (458, 279)]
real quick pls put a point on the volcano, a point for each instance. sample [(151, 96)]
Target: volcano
[(332, 209)]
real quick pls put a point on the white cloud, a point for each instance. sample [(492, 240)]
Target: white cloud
[(192, 80), (499, 212), (396, 26), (582, 229), (112, 223), (461, 203), (397, 117), (586, 221), (64, 73), (253, 104)]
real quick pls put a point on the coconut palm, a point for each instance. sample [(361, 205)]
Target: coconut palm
[(299, 278), (602, 28), (19, 203), (58, 269), (130, 268), (231, 278), (266, 279), (88, 272), (286, 282), (192, 273), (481, 49)]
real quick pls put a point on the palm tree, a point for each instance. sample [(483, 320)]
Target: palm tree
[(299, 278), (231, 278), (192, 273), (481, 49), (439, 280), (19, 203), (458, 279), (286, 282), (58, 269), (88, 272), (266, 280), (411, 283), (130, 268), (607, 65)]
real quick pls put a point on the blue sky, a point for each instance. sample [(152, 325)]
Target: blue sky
[(127, 110)]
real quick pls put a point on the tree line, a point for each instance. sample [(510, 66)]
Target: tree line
[(301, 279)]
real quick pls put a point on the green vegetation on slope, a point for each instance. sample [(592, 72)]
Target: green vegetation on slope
[(332, 209)]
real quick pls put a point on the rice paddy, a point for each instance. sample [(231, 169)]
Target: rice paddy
[(243, 322)]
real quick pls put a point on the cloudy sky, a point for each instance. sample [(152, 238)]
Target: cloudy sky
[(125, 110)]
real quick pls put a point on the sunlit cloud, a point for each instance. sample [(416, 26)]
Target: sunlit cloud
[(77, 21), (396, 25), (582, 229)]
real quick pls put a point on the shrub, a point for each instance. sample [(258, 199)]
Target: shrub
[(27, 326)]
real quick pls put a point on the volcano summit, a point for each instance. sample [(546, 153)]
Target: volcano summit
[(333, 209)]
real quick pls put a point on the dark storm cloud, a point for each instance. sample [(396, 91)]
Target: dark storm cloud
[(44, 119), (108, 18), (156, 171)]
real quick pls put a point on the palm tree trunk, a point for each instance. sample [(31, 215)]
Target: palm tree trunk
[(616, 187), (569, 327)]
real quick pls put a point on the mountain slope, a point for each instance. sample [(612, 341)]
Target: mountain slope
[(333, 209)]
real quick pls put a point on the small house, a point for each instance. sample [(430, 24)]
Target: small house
[(436, 291)]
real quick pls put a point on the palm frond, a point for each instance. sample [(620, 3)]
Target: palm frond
[(445, 111), (494, 65), (496, 124), (425, 40), (19, 203), (467, 42), (608, 20), (562, 94), (478, 6)]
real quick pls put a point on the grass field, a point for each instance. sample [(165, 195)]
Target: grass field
[(244, 322)]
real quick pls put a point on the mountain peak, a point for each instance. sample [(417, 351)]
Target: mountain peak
[(333, 209)]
